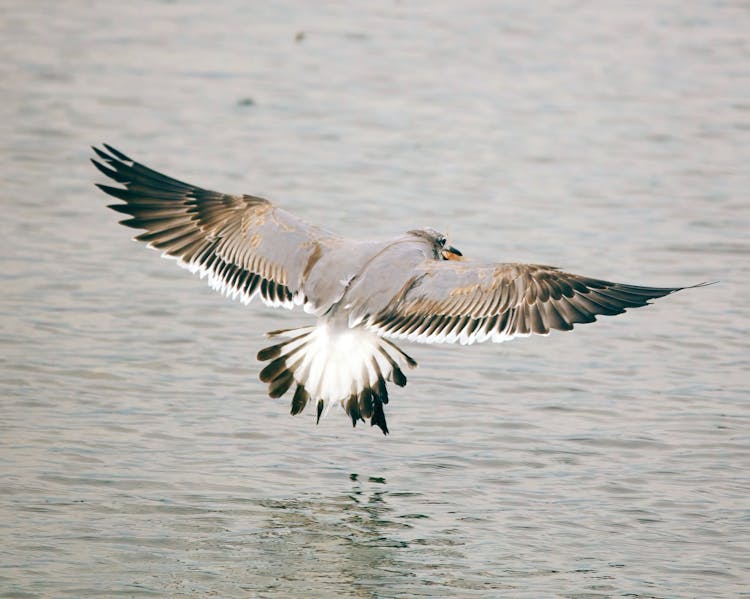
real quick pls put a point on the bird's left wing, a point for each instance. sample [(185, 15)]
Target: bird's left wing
[(246, 245), (449, 301)]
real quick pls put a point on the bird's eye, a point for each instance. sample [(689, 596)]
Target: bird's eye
[(441, 241)]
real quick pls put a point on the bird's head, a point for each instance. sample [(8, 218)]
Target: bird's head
[(442, 249)]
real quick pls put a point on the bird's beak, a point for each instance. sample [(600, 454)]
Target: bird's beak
[(451, 253)]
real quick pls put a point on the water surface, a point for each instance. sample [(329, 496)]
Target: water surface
[(140, 454)]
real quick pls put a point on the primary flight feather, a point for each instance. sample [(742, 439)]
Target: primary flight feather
[(364, 294)]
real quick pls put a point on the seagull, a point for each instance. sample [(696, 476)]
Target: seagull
[(365, 294)]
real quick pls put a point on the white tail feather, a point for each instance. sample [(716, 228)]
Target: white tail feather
[(331, 365)]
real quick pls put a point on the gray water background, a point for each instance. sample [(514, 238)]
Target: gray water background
[(139, 453)]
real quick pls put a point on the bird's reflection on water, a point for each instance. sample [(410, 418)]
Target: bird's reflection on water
[(356, 541), (344, 538)]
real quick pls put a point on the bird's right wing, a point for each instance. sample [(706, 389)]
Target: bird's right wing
[(449, 301), (246, 245)]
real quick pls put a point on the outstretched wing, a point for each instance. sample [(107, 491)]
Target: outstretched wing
[(244, 244), (451, 301)]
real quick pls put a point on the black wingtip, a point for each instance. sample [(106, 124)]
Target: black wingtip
[(702, 284), (116, 153), (116, 192), (102, 154), (108, 172)]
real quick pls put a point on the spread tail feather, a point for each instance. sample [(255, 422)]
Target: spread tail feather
[(329, 365)]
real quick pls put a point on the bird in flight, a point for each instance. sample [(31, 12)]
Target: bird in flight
[(365, 294)]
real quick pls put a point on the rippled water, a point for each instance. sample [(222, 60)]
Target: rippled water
[(140, 455)]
